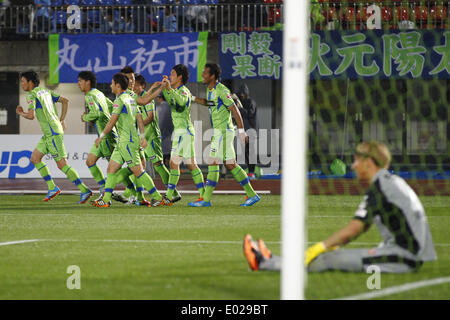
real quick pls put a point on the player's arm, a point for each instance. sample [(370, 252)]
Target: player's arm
[(92, 115), (237, 102), (203, 101), (150, 95), (346, 234), (141, 127), (339, 238), (27, 115), (239, 122), (150, 118), (108, 128)]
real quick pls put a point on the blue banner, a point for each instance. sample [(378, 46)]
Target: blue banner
[(151, 55), (379, 54), (251, 55)]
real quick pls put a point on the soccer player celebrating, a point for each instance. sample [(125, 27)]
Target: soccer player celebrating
[(41, 104), (221, 107), (153, 152), (389, 203), (125, 114), (98, 113), (179, 99)]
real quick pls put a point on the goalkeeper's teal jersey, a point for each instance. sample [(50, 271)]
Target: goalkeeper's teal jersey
[(125, 107), (219, 113), (152, 129), (42, 101), (179, 100), (98, 111)]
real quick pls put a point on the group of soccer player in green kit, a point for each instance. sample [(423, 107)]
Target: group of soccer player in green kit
[(128, 133)]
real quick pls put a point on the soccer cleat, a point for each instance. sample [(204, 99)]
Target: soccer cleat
[(99, 203), (51, 194), (167, 202), (85, 196), (263, 249), (199, 199), (118, 197), (143, 203), (251, 176), (157, 203), (176, 199), (131, 200), (201, 203), (251, 201), (251, 252)]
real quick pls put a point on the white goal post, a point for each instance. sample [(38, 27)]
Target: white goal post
[(294, 148)]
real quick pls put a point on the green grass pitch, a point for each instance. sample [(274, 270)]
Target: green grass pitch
[(180, 252)]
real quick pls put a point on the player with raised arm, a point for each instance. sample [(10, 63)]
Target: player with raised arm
[(41, 104), (221, 107), (153, 152), (125, 114), (179, 99), (389, 203), (97, 112)]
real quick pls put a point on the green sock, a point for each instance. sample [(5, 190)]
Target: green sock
[(241, 177), (109, 186), (73, 176), (211, 181), (97, 174), (197, 176), (139, 188), (172, 183), (45, 174), (131, 180), (164, 174), (148, 184)]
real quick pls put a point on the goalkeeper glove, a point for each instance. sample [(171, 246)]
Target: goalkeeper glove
[(314, 251)]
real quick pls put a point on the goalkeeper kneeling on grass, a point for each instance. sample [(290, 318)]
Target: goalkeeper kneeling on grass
[(390, 203)]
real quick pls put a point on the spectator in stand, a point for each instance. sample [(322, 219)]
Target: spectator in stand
[(126, 23), (42, 15), (170, 20), (248, 113), (109, 24)]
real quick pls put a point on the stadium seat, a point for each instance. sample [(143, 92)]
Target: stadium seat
[(361, 14), (69, 2), (88, 2), (123, 2), (57, 2), (401, 13), (106, 2), (274, 15), (330, 14), (386, 14), (93, 17)]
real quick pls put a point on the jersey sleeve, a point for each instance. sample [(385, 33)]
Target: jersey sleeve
[(181, 97), (92, 114), (31, 101), (364, 213), (117, 107), (225, 95), (55, 96)]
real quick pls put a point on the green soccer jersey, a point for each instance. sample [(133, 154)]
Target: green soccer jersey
[(98, 111), (42, 101), (152, 129), (125, 107), (179, 101), (220, 115)]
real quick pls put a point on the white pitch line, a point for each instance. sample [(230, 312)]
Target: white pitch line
[(161, 191), (397, 289), (17, 242)]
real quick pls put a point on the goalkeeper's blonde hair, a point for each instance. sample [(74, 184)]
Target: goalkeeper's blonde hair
[(376, 150)]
